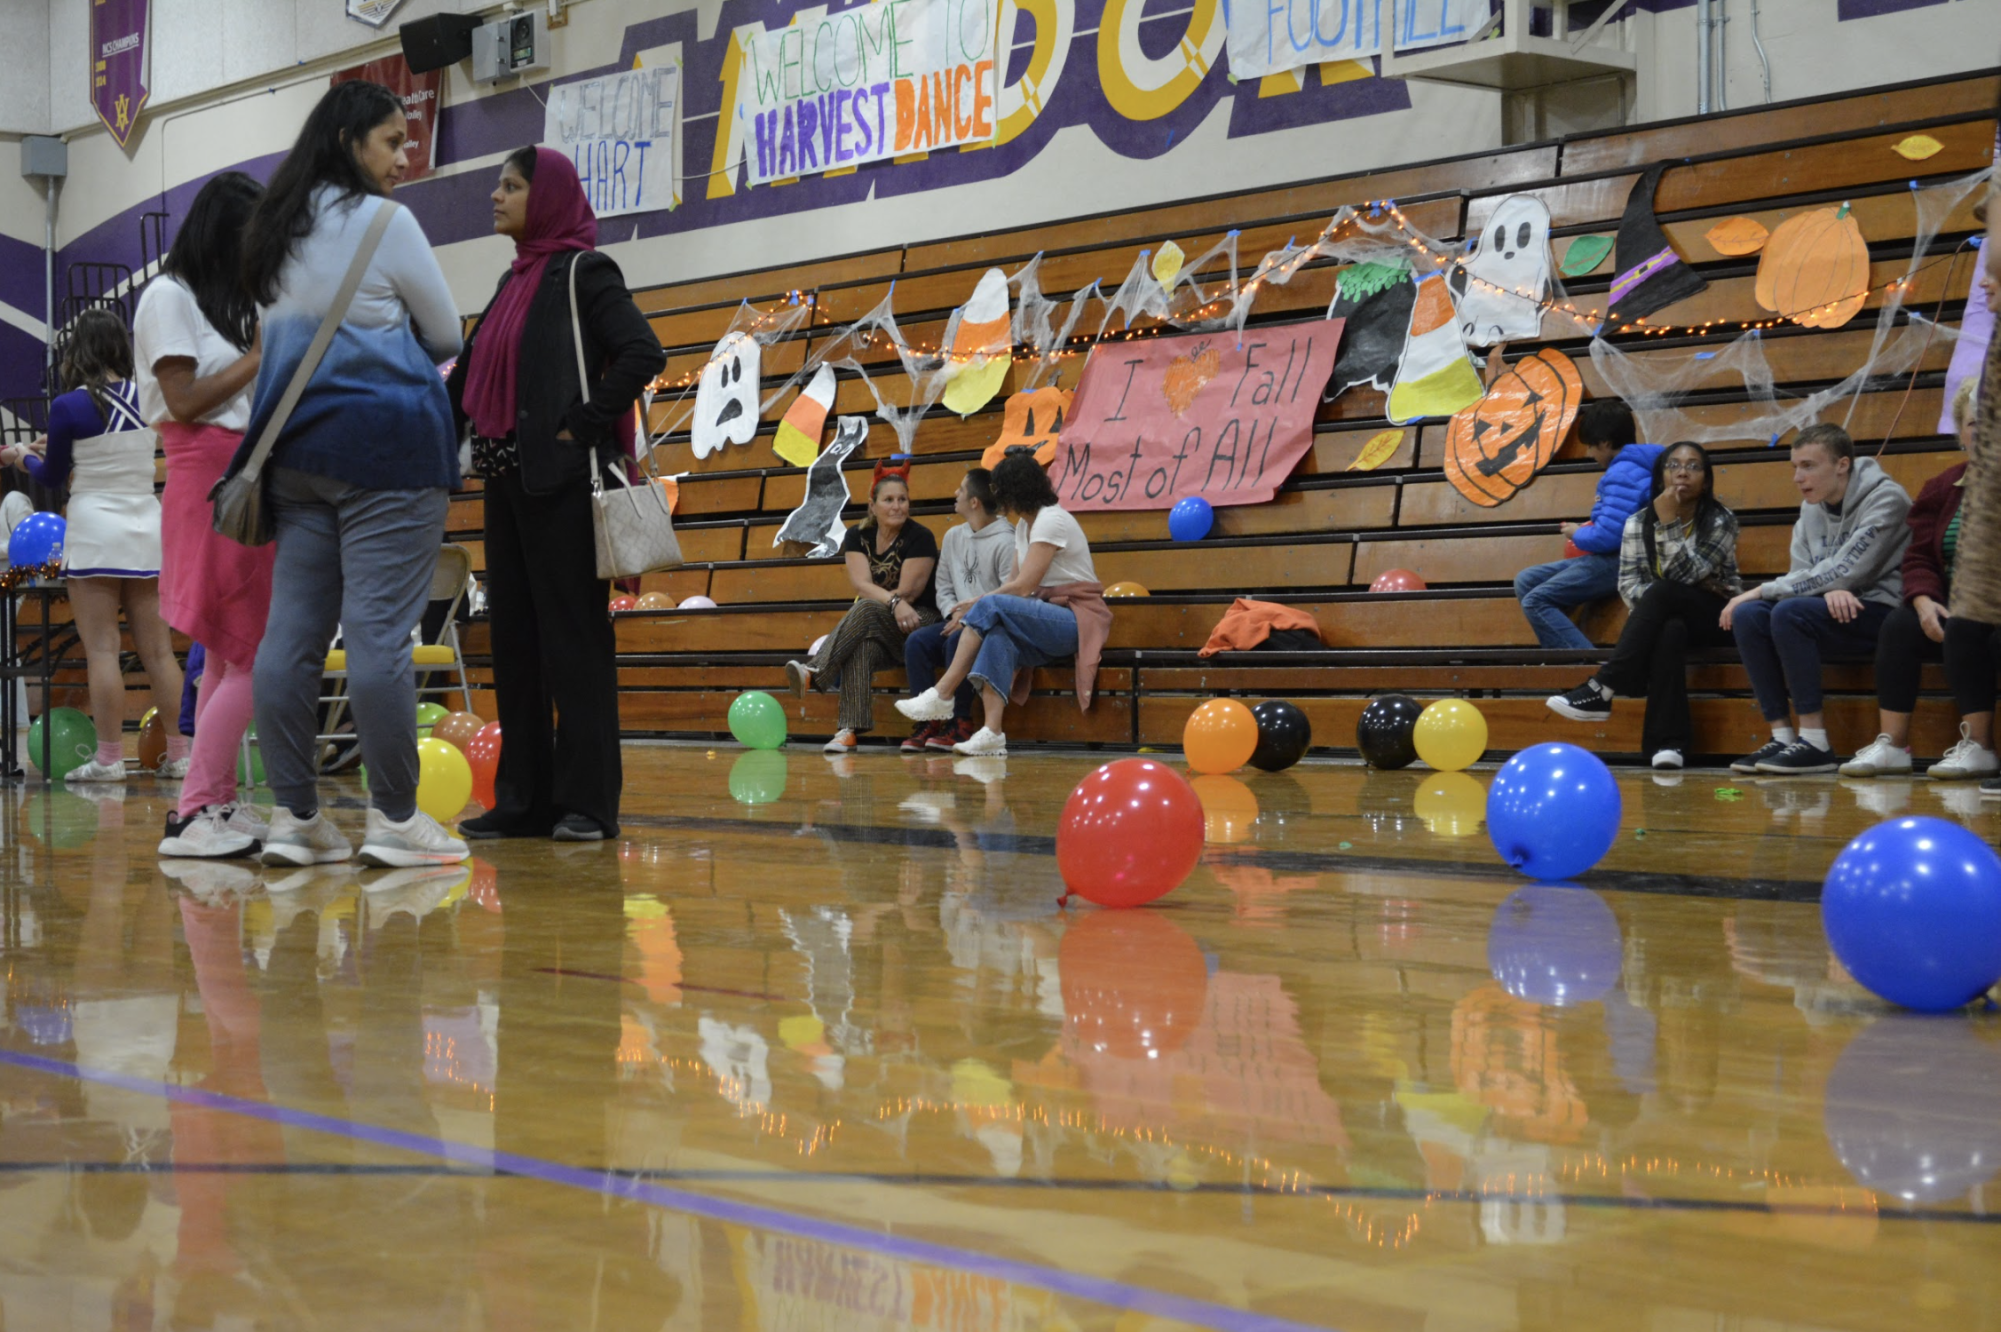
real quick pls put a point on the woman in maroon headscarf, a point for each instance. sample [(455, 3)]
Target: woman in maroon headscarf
[(534, 436)]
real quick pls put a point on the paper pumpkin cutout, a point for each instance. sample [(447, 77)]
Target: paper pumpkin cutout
[(1374, 302), (1377, 451), (1167, 261), (816, 523), (726, 409), (1496, 446), (979, 337), (1918, 147), (1584, 254), (1815, 269), (1434, 378), (1505, 275), (1649, 275), (1030, 421), (1737, 235), (1186, 376), (798, 440)]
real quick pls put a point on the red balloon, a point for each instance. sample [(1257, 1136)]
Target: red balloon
[(624, 604), (1134, 984), (1397, 580), (1571, 550), (1130, 832), (483, 756)]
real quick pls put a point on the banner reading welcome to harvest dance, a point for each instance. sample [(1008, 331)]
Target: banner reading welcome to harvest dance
[(875, 81)]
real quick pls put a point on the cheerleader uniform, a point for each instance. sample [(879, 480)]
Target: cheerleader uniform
[(113, 514)]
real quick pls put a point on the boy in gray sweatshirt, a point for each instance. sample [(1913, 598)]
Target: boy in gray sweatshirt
[(1845, 578), (975, 558)]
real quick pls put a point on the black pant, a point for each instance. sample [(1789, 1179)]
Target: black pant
[(554, 652), (1971, 651), (1652, 656)]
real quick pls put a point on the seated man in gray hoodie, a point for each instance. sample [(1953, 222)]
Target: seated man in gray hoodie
[(976, 557), (1845, 579)]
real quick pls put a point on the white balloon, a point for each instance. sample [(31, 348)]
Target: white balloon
[(697, 603)]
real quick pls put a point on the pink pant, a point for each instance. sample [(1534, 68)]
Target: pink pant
[(223, 711)]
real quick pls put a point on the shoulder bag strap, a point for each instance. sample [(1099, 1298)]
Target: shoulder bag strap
[(583, 372), (322, 339)]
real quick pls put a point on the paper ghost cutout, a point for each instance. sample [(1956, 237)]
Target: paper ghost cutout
[(979, 329), (1505, 275), (1648, 274), (1496, 447), (1031, 421), (1434, 378), (1375, 301), (726, 409), (817, 520), (1969, 354), (798, 440)]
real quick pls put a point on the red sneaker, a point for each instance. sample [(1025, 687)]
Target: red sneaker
[(950, 733), (919, 738)]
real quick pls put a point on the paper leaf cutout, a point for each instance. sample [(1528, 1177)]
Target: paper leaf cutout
[(1737, 235), (798, 440), (726, 407), (1031, 420), (1167, 261), (1434, 378), (1496, 447), (1358, 282), (1505, 275), (1185, 377), (816, 523), (1647, 273), (1815, 269), (1377, 451), (1585, 254), (1918, 147)]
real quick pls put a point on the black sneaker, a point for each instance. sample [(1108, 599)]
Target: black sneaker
[(582, 828), (1798, 758), (1583, 703), (1991, 789), (1771, 749)]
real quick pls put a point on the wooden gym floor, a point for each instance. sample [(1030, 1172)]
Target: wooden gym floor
[(833, 1058)]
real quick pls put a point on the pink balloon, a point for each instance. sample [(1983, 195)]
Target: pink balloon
[(697, 603)]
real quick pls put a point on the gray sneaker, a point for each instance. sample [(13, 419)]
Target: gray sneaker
[(418, 840), (298, 842)]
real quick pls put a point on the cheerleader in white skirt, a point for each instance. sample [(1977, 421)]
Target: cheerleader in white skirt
[(99, 446)]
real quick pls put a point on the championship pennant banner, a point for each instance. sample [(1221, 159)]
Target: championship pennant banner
[(876, 81), (118, 64)]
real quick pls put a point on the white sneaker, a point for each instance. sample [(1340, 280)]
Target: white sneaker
[(927, 806), (418, 891), (1667, 758), (210, 883), (94, 771), (172, 770), (207, 836), (927, 706), (245, 819), (295, 841), (418, 840), (1961, 801), (799, 676), (1885, 800), (1880, 759), (1969, 758), (985, 770), (986, 742), (844, 742)]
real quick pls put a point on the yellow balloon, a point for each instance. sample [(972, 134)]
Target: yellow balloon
[(444, 780), (1127, 589), (1451, 804), (1229, 808), (1450, 734)]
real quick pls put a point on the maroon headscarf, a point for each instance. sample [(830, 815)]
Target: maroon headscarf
[(559, 219)]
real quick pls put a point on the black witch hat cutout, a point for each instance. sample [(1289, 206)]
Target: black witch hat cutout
[(1376, 300), (1650, 275)]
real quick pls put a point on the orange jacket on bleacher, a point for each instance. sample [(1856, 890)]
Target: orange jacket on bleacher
[(1248, 623)]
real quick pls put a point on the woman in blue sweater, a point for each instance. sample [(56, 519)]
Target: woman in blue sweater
[(360, 477)]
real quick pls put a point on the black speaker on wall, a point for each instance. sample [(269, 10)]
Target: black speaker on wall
[(433, 43)]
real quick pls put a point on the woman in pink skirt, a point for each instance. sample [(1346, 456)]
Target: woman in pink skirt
[(197, 357)]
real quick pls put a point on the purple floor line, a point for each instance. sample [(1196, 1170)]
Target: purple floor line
[(1101, 1290)]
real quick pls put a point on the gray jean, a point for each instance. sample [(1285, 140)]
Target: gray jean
[(359, 560)]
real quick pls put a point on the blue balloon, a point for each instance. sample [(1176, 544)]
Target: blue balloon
[(1910, 1108), (1912, 908), (37, 539), (1190, 519), (1555, 944), (1553, 811)]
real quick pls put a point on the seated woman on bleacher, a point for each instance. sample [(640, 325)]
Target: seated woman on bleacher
[(1677, 569), (1053, 607), (890, 561), (1916, 632)]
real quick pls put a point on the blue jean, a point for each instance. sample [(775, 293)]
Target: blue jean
[(1017, 633), (925, 653), (1783, 642), (1546, 591)]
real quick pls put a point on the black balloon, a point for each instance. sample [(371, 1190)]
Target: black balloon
[(1384, 732), (1283, 735)]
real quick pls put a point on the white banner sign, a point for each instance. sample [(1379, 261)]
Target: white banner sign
[(874, 81), (620, 130), (1270, 36), (374, 13)]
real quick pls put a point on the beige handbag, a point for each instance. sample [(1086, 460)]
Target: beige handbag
[(240, 512), (632, 524)]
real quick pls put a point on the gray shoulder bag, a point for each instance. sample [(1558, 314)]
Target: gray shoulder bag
[(241, 513), (632, 524)]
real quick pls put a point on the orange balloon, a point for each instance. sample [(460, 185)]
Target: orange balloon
[(655, 601), (152, 741), (1117, 590), (1220, 736), (457, 729), (1229, 808), (1397, 580)]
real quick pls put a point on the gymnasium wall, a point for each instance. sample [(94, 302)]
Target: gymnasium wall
[(232, 80)]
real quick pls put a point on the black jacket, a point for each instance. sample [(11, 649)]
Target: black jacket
[(619, 347)]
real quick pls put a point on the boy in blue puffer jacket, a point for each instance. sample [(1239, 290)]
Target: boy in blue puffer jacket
[(1548, 591)]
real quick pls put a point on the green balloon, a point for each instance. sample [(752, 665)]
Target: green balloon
[(430, 714), (758, 777), (72, 742), (251, 774), (757, 720), (60, 821)]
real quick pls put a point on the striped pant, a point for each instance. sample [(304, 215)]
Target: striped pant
[(867, 640)]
